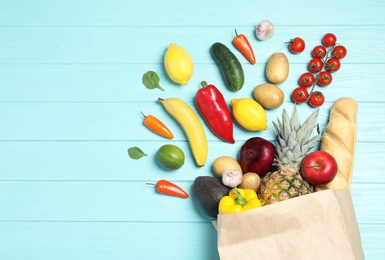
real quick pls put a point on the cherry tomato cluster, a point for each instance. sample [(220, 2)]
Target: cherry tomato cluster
[(325, 61)]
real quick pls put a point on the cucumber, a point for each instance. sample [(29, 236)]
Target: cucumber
[(231, 67)]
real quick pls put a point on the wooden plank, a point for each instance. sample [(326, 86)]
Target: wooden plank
[(113, 121), (372, 239), (101, 240), (116, 45), (118, 82), (130, 201), (102, 161), (203, 13), (107, 240), (93, 201), (112, 240)]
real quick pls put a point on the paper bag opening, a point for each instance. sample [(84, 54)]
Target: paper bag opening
[(321, 225)]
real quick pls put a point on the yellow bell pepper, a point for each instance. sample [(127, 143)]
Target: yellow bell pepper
[(239, 200)]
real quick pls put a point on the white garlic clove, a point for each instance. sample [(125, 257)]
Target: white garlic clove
[(264, 30), (232, 178)]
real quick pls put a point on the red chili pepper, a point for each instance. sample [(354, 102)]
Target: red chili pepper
[(169, 188), (155, 125), (215, 111), (243, 45)]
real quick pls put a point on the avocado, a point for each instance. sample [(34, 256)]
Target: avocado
[(208, 192)]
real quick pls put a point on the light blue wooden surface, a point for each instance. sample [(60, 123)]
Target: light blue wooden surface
[(70, 102)]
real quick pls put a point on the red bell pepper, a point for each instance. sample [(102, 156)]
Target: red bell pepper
[(214, 109), (243, 45)]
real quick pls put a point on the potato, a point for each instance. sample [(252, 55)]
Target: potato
[(250, 180), (268, 95), (224, 163), (277, 68)]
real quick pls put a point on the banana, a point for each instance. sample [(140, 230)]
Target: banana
[(191, 125)]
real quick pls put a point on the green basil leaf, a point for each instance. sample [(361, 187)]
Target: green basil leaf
[(151, 80), (135, 153)]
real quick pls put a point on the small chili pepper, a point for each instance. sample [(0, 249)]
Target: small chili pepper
[(158, 127), (214, 109), (169, 188), (243, 45), (239, 200)]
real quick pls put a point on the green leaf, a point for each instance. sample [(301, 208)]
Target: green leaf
[(135, 153), (151, 80)]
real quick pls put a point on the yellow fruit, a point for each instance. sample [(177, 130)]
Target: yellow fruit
[(249, 114), (170, 156), (191, 124), (178, 64), (224, 163)]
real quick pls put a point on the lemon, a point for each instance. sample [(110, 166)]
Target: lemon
[(170, 156), (249, 114), (178, 64)]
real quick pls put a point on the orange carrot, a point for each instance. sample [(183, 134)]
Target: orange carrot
[(155, 125), (243, 45)]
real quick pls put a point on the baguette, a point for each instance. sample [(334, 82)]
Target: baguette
[(339, 140)]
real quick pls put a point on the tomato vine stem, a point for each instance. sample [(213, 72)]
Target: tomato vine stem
[(329, 49)]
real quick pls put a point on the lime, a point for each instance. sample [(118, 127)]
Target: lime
[(170, 156)]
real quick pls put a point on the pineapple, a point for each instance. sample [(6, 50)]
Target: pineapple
[(293, 143)]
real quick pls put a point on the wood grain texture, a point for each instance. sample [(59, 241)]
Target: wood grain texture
[(107, 240), (70, 102), (173, 12), (118, 82), (108, 45)]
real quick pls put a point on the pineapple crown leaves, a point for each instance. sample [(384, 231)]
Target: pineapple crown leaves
[(293, 138)]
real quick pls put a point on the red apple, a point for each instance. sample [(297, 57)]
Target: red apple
[(319, 167), (257, 155)]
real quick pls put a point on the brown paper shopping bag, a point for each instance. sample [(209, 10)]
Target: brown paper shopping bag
[(321, 225)]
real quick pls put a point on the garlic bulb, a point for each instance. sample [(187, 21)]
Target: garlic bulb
[(264, 30), (231, 178)]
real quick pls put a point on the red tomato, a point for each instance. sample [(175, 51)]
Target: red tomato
[(296, 45), (315, 65), (300, 95), (316, 99), (332, 65), (306, 80), (319, 51), (324, 78), (339, 52), (329, 39)]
